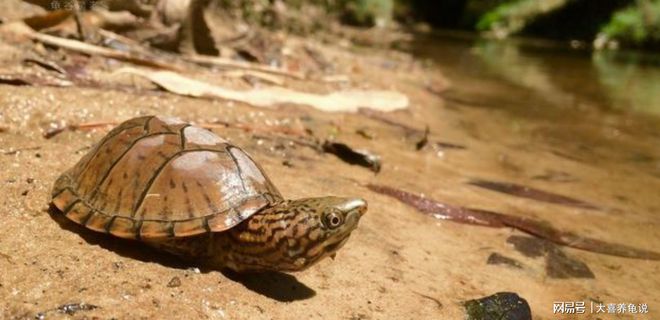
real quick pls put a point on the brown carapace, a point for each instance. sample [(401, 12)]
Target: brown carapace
[(184, 190)]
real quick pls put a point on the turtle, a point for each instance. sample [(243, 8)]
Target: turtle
[(184, 190)]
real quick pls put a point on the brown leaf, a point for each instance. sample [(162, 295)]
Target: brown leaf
[(340, 101), (439, 210), (531, 226), (498, 259), (48, 20), (90, 49), (531, 193), (356, 157)]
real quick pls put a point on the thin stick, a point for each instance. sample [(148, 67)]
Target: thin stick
[(81, 126), (15, 151), (92, 50), (224, 62), (219, 124)]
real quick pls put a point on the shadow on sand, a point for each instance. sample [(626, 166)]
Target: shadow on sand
[(275, 285)]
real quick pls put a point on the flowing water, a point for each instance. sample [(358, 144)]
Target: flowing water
[(601, 109), (569, 121)]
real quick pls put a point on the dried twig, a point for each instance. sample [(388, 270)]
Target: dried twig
[(215, 125), (15, 151), (379, 116), (81, 126), (91, 49), (228, 63)]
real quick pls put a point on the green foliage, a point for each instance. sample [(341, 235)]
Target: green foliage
[(368, 12), (356, 12), (497, 16), (637, 24)]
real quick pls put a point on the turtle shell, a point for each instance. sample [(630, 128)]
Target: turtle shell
[(153, 177)]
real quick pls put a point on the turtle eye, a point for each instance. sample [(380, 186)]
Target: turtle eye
[(333, 220)]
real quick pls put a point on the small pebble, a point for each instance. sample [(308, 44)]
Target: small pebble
[(175, 282)]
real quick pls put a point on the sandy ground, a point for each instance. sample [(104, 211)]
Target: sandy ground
[(399, 264)]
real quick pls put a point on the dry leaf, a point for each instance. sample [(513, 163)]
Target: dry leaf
[(228, 63), (21, 28), (341, 101)]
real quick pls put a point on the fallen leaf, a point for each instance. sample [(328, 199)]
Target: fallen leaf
[(439, 210), (26, 79), (341, 101), (356, 157), (48, 19), (531, 226), (20, 28), (531, 193), (557, 263), (498, 259)]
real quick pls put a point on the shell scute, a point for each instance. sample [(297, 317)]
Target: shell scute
[(159, 177), (79, 212)]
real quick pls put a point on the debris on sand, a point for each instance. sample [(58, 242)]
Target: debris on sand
[(356, 157), (68, 309), (449, 145), (499, 306), (339, 101), (89, 49), (174, 282), (498, 259), (381, 117), (557, 263), (28, 79), (175, 72), (532, 193), (55, 129), (424, 140), (541, 229)]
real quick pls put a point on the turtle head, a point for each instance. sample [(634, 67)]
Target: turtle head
[(294, 235)]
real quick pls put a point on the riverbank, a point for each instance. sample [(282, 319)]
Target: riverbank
[(399, 263)]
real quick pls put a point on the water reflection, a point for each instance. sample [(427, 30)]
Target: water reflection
[(551, 72), (632, 81), (597, 110)]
